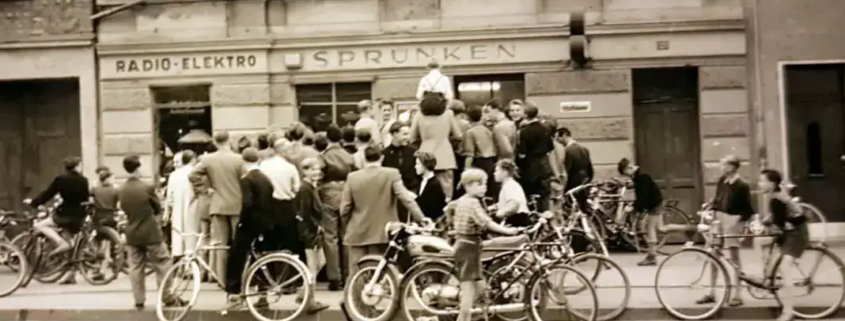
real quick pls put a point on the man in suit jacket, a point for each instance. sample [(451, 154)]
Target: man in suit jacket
[(368, 209), (144, 239), (257, 191), (223, 169), (533, 148), (579, 166)]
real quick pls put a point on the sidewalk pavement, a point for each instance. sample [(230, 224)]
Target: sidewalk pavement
[(113, 302)]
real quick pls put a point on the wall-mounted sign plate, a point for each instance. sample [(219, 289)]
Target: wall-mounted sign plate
[(574, 107)]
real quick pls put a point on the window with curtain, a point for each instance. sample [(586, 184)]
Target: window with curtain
[(324, 104)]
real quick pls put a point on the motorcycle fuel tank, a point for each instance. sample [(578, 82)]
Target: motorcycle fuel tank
[(420, 245)]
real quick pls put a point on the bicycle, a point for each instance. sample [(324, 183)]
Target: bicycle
[(85, 255), (11, 259), (521, 286), (758, 288), (813, 214), (258, 281)]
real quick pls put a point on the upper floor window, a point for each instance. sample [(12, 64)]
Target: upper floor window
[(324, 104)]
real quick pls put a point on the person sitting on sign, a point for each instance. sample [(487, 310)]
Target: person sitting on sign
[(434, 89)]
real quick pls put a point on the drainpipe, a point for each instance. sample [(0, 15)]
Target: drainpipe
[(95, 23), (760, 130)]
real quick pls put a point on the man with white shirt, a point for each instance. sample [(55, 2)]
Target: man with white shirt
[(435, 81), (285, 179), (367, 123)]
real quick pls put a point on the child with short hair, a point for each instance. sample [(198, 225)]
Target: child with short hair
[(469, 221), (310, 213), (105, 197)]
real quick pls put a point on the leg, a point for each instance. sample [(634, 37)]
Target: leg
[(136, 259), (468, 298), (445, 178), (355, 254), (48, 228), (787, 271), (160, 259), (652, 222), (331, 225), (192, 226), (205, 230), (238, 253), (220, 236)]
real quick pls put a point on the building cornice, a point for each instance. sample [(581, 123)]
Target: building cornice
[(44, 42), (276, 42)]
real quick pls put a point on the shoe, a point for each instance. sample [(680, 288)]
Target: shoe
[(98, 277), (335, 286), (786, 316), (735, 302), (139, 306), (316, 306), (300, 296), (235, 303), (262, 303), (707, 299), (689, 244), (175, 302), (70, 281), (649, 260)]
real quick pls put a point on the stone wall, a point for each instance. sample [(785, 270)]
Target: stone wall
[(34, 19), (724, 122), (607, 128)]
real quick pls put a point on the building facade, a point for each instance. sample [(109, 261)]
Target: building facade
[(666, 84), (798, 94), (48, 94)]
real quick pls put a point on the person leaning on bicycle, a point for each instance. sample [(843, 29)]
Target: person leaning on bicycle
[(70, 215)]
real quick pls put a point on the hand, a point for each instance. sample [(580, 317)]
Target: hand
[(27, 201), (427, 222), (629, 208), (512, 230)]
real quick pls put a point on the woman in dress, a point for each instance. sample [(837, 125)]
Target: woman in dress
[(434, 128)]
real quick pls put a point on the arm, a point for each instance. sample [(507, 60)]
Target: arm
[(407, 198), (503, 144), (246, 195), (153, 199), (421, 89), (590, 170), (455, 127), (199, 176), (346, 203), (47, 194), (469, 149), (481, 218), (509, 208), (295, 183), (746, 209), (447, 88), (521, 146), (415, 128)]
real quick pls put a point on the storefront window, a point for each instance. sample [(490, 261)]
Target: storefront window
[(478, 90), (183, 121), (324, 104)]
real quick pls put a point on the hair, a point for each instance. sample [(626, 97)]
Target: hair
[(349, 134), (563, 131), (732, 160), (364, 105), (71, 162), (623, 165), (308, 139), (321, 142), (395, 127), (310, 163), (475, 114), (495, 105), (517, 102), (363, 136), (263, 140), (509, 166), (334, 133), (457, 106), (103, 173), (221, 137), (372, 153), (296, 132), (773, 176), (531, 111), (433, 109), (427, 160), (433, 64), (250, 155), (243, 143), (131, 163), (473, 175), (188, 156), (387, 102)]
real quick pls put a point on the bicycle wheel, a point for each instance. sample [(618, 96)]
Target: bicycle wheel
[(554, 285), (613, 283), (11, 278), (816, 221), (48, 269), (368, 292), (676, 217), (693, 264), (579, 243), (99, 256), (170, 303), (266, 284), (829, 286), (32, 252)]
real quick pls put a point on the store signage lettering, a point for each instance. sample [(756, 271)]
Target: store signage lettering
[(416, 55), (165, 64)]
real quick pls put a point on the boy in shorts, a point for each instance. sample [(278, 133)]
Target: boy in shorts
[(469, 222)]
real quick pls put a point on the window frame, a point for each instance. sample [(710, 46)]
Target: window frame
[(334, 103)]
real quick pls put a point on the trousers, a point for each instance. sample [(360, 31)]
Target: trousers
[(223, 229), (333, 228), (137, 258)]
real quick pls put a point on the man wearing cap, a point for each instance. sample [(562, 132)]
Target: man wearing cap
[(256, 218), (435, 81), (223, 169), (367, 123)]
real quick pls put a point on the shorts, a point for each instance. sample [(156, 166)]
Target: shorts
[(468, 258), (794, 242), (69, 225), (730, 225)]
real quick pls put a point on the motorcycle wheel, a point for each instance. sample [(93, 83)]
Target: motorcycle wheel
[(360, 300)]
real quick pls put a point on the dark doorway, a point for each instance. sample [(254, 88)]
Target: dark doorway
[(478, 90), (666, 124), (815, 97), (183, 121), (39, 127)]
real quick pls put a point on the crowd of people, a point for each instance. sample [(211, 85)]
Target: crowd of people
[(328, 195)]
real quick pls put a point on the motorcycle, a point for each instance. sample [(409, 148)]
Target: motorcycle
[(376, 284)]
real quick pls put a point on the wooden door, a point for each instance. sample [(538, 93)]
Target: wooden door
[(815, 101), (668, 149), (42, 128)]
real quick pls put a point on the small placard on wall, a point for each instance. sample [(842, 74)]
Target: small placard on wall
[(574, 107)]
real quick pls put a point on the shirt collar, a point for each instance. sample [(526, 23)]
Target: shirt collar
[(372, 165), (428, 175), (435, 72)]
